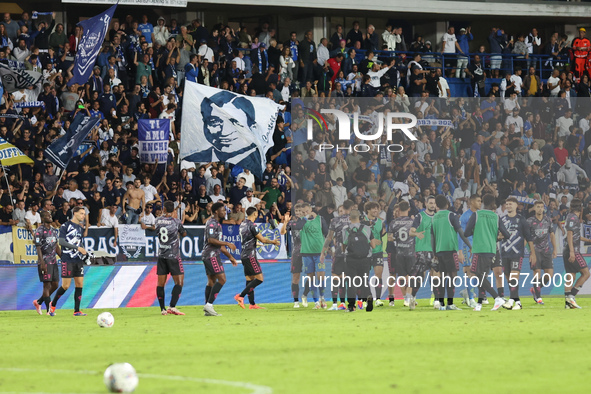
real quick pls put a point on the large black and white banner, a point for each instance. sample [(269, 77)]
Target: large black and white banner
[(14, 79), (219, 125)]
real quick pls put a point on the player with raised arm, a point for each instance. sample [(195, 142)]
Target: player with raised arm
[(46, 241), (71, 235), (249, 234), (313, 234), (468, 293), (445, 231), (573, 261), (513, 250), (214, 268), (372, 210), (335, 235), (404, 260), (294, 225), (484, 226), (169, 231), (541, 230), (421, 229)]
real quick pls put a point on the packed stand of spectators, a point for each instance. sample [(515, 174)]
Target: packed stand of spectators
[(140, 73)]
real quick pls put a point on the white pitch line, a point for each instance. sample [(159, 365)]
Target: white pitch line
[(255, 388)]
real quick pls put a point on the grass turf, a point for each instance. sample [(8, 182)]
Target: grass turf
[(538, 349)]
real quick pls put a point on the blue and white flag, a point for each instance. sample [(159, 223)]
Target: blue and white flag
[(219, 125), (153, 135), (63, 149), (95, 30), (14, 79)]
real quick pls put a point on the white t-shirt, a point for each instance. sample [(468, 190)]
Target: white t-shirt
[(563, 125), (247, 204), (217, 198), (518, 81), (33, 218), (77, 194), (150, 192), (584, 125), (554, 81), (148, 220), (107, 220), (444, 87), (249, 179), (449, 41), (517, 121)]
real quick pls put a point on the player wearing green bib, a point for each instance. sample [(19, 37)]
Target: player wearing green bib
[(421, 229), (444, 231), (484, 226), (312, 238), (372, 209)]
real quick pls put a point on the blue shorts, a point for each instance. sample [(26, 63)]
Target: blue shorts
[(312, 264)]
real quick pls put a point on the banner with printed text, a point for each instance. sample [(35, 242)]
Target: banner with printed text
[(153, 135), (25, 251)]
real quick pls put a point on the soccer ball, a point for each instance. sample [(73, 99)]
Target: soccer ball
[(105, 320), (121, 378)]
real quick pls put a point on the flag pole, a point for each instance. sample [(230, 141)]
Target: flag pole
[(57, 185), (7, 184)]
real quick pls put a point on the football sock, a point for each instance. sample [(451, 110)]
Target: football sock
[(306, 288), (487, 287), (250, 294), (251, 285), (207, 293), (538, 291), (379, 289), (60, 292), (47, 302), (351, 302), (77, 298), (251, 297), (176, 293), (480, 300), (501, 291), (514, 292), (391, 297), (215, 290), (442, 301), (450, 301), (313, 291), (160, 296), (546, 280), (574, 291), (40, 299), (342, 291), (295, 290)]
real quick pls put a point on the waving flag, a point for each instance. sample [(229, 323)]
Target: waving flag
[(11, 155), (64, 148), (95, 30), (219, 125), (14, 79)]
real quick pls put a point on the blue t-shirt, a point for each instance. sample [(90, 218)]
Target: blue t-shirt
[(147, 29)]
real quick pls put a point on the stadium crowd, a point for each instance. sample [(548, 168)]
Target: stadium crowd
[(522, 135)]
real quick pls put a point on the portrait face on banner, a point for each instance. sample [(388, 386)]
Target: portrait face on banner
[(227, 119)]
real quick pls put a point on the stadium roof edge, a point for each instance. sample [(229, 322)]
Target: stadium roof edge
[(482, 7)]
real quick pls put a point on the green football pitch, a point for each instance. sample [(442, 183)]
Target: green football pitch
[(285, 350)]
